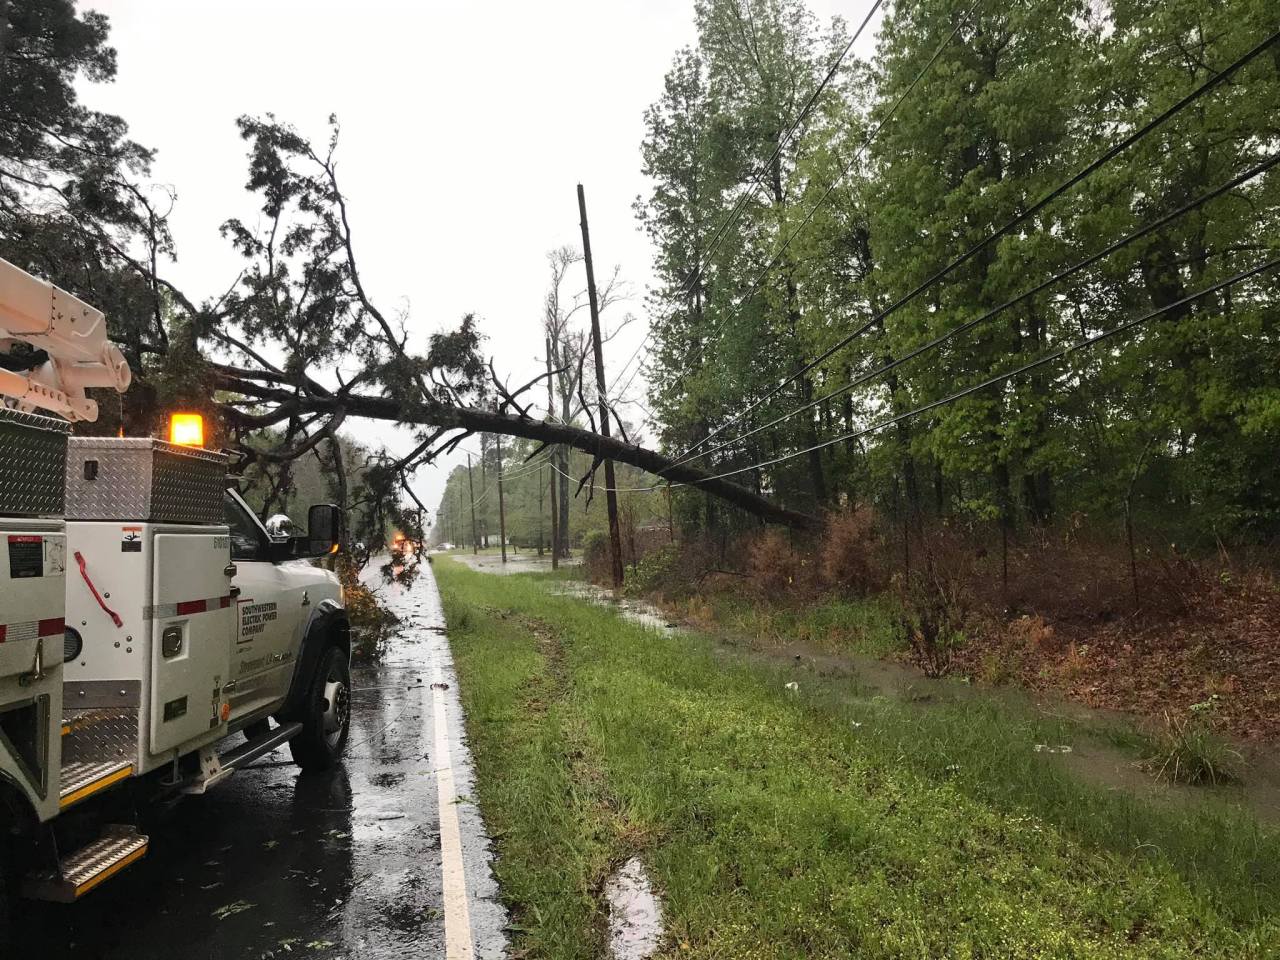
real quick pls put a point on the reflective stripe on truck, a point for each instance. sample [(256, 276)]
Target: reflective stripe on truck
[(31, 629)]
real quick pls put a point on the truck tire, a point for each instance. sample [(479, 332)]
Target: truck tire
[(326, 714), (6, 916), (8, 889)]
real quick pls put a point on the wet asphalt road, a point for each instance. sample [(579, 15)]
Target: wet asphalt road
[(342, 864)]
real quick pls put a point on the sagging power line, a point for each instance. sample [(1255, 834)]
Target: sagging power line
[(1084, 173), (1144, 231)]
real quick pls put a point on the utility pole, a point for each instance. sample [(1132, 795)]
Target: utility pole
[(555, 504), (671, 522), (484, 488), (611, 497), (540, 496), (475, 541), (502, 510)]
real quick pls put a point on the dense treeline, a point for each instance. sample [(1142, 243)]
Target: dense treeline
[(1181, 416)]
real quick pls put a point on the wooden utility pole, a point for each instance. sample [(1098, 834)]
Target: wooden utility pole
[(484, 488), (597, 343), (555, 503), (475, 540), (502, 509), (541, 494), (671, 520)]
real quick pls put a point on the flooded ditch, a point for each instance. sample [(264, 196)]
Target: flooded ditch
[(1088, 756)]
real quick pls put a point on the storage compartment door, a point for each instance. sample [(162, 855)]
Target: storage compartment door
[(32, 593), (191, 629)]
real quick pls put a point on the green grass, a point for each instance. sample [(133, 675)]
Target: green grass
[(831, 625), (820, 823)]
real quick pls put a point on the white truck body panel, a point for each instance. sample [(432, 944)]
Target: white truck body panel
[(191, 599), (153, 576), (32, 590)]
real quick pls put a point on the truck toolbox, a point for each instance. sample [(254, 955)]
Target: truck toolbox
[(143, 479), (34, 463)]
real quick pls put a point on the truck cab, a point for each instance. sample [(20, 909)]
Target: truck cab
[(279, 601)]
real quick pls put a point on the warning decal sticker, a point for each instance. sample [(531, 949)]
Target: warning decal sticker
[(26, 556), (130, 539), (55, 556)]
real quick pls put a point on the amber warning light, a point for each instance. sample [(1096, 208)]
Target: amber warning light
[(186, 429)]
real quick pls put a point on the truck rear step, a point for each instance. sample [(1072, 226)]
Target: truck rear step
[(89, 866), (83, 779)]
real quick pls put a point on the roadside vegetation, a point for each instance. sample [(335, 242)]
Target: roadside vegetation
[(821, 820), (1189, 643)]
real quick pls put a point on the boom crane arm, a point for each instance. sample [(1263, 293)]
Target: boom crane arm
[(66, 348)]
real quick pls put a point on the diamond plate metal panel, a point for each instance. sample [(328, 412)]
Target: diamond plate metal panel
[(111, 478), (101, 855), (33, 457), (97, 736), (80, 774)]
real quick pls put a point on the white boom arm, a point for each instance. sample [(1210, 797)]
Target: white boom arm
[(72, 333)]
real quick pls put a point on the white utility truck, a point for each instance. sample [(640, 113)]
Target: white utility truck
[(145, 613)]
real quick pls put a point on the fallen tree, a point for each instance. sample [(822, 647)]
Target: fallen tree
[(299, 307), (472, 420)]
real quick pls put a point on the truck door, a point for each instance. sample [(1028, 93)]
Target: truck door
[(267, 619), (192, 619)]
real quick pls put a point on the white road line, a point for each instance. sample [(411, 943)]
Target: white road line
[(457, 916)]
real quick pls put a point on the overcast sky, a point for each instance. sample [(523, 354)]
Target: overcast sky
[(465, 128)]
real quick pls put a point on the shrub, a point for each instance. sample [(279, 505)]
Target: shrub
[(371, 623), (1190, 750), (655, 570), (933, 619), (774, 567), (849, 556), (595, 556)]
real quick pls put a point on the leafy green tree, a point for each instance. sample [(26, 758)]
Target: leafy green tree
[(74, 204)]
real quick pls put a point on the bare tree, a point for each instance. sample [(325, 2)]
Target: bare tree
[(570, 346)]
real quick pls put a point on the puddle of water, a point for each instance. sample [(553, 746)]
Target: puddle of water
[(516, 563), (635, 916), (636, 611)]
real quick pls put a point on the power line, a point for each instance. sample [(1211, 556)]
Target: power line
[(1000, 378), (985, 384), (937, 341), (741, 202), (773, 262), (609, 391), (1082, 174), (614, 489)]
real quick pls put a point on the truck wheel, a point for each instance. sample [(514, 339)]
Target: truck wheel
[(6, 929), (8, 887), (326, 719)]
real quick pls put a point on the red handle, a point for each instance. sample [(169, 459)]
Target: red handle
[(115, 617)]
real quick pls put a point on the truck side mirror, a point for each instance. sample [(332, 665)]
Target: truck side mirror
[(324, 533), (324, 529)]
